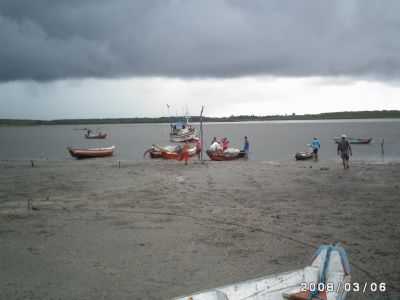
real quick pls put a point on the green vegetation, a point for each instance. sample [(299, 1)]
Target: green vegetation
[(383, 114)]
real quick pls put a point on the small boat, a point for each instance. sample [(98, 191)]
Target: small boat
[(303, 155), (96, 136), (327, 278), (229, 154), (155, 150), (176, 153), (81, 153), (354, 140), (182, 132)]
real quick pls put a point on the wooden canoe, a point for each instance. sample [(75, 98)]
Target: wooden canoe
[(303, 155), (354, 140), (153, 153), (81, 153), (155, 150), (177, 154), (96, 136), (222, 156), (329, 272)]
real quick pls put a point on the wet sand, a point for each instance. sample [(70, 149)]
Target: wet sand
[(157, 229)]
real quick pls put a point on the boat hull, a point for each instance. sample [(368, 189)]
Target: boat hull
[(221, 156), (183, 135), (361, 141), (183, 138), (303, 155), (155, 154), (82, 153), (98, 136), (331, 261), (177, 154)]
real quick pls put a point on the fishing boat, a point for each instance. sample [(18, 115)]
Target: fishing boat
[(303, 155), (176, 153), (325, 279), (228, 154), (81, 153), (155, 150), (354, 140), (182, 132), (96, 136)]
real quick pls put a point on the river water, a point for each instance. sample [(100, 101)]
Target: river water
[(271, 140)]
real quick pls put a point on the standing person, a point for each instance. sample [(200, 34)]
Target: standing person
[(344, 150), (185, 153), (215, 145), (246, 146), (315, 146), (225, 143)]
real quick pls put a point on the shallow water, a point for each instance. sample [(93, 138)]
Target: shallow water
[(273, 140)]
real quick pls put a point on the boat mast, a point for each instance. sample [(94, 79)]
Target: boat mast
[(170, 118), (187, 115), (201, 135)]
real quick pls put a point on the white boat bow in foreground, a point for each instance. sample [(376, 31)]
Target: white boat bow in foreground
[(325, 277)]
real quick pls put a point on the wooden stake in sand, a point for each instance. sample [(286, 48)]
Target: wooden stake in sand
[(32, 163), (201, 135)]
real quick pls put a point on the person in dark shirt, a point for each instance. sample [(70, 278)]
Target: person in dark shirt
[(344, 150), (246, 146)]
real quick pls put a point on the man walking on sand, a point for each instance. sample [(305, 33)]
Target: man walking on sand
[(344, 150)]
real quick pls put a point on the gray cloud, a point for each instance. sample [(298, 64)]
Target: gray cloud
[(47, 40)]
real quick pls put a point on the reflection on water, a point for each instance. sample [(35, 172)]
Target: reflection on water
[(276, 140)]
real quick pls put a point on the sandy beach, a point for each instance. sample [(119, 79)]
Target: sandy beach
[(158, 229)]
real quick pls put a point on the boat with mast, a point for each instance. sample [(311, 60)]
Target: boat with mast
[(181, 130)]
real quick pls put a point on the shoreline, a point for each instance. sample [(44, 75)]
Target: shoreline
[(31, 123), (114, 161)]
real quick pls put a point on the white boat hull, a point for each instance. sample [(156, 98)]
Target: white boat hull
[(182, 138), (288, 285)]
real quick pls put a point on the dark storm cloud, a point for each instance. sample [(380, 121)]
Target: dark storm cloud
[(47, 39)]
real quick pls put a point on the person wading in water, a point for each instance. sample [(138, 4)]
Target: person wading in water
[(344, 150)]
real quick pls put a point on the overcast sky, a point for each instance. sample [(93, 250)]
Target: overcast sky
[(122, 58)]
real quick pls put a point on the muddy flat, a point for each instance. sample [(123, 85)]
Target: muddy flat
[(157, 229)]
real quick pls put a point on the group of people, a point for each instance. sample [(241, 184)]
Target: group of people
[(219, 145), (223, 144), (216, 145), (343, 149)]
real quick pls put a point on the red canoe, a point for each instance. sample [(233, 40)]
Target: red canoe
[(177, 154), (91, 152), (155, 150), (221, 156)]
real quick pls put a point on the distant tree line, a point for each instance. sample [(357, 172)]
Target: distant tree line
[(241, 118)]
